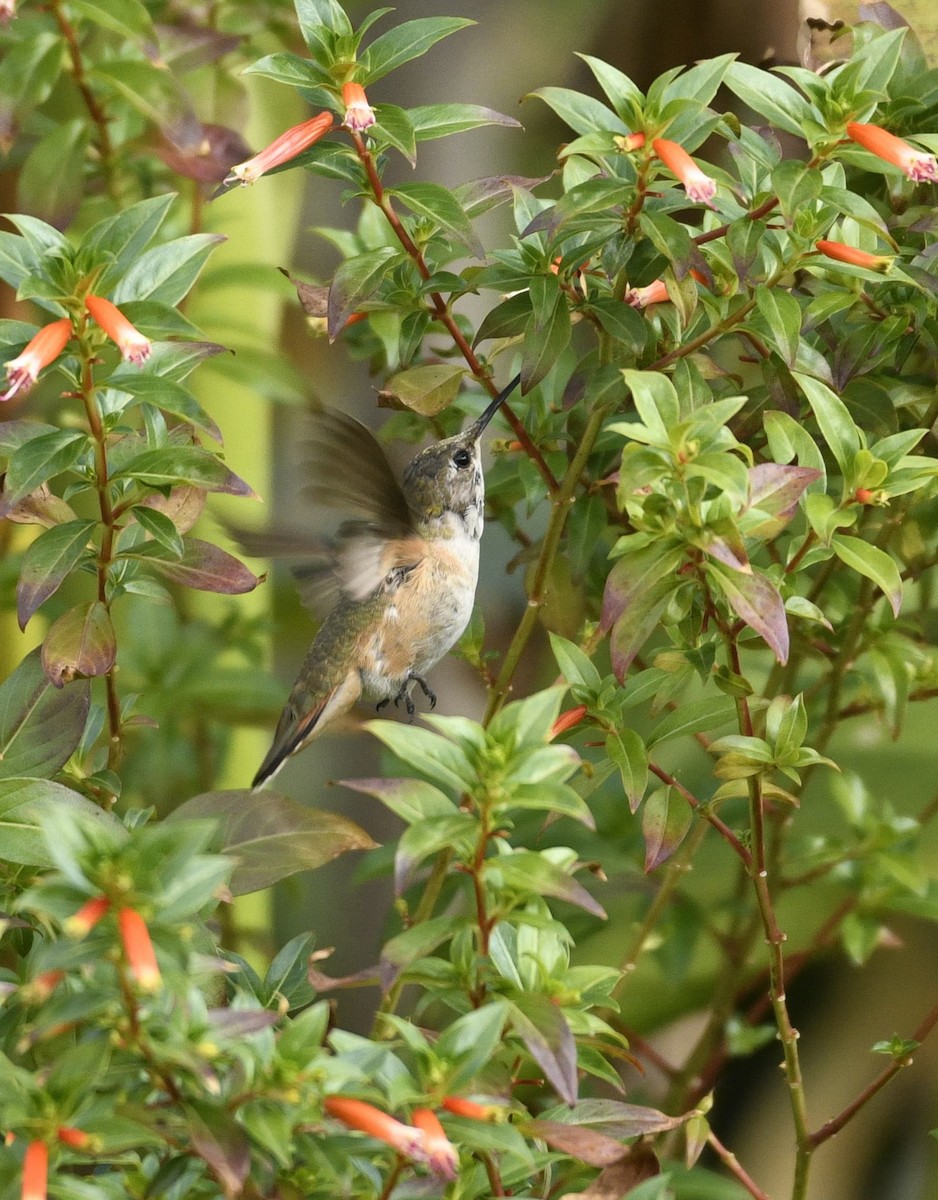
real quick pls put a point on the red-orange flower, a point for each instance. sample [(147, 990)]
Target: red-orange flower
[(76, 1139), (90, 913), (41, 350), (358, 112), (918, 165), (442, 1156), (38, 990), (360, 1115), (567, 720), (282, 149), (133, 345), (138, 949), (629, 142), (654, 293), (35, 1171), (460, 1106), (699, 186), (854, 256)]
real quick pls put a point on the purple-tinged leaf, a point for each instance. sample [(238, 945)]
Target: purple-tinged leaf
[(441, 120), (479, 195), (40, 725), (82, 642), (240, 1022), (206, 568), (222, 1143), (597, 1149), (544, 1030), (528, 871), (758, 603), (412, 800), (728, 550), (43, 508), (183, 506), (47, 563), (774, 493), (37, 461), (273, 836), (666, 819), (637, 623), (615, 1118), (621, 1178), (632, 576)]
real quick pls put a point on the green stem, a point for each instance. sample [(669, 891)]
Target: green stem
[(561, 500)]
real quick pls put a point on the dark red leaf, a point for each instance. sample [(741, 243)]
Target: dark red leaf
[(207, 568)]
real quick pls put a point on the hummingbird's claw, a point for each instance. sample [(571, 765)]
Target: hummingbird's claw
[(383, 703), (426, 689)]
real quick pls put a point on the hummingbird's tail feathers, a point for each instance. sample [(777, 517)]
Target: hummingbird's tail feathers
[(295, 727)]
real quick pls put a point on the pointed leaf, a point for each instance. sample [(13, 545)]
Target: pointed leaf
[(872, 562), (615, 1118), (426, 390), (38, 460), (221, 1142), (174, 466), (597, 1149), (833, 417), (82, 642), (544, 1030), (40, 725), (666, 819), (167, 272), (627, 751), (528, 871), (429, 753), (205, 567), (440, 120), (357, 280), (757, 602), (273, 836), (412, 800), (439, 206), (406, 42), (47, 562), (28, 812), (547, 332)]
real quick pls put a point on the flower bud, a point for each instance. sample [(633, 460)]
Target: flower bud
[(133, 345), (919, 166), (841, 252), (699, 186), (138, 949), (442, 1156), (35, 1171), (282, 149), (90, 913)]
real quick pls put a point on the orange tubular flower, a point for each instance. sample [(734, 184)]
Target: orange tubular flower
[(90, 913), (75, 1139), (359, 114), (442, 1156), (567, 720), (360, 1115), (699, 186), (461, 1107), (654, 293), (854, 256), (282, 149), (138, 949), (41, 350), (35, 1171), (132, 344), (919, 166)]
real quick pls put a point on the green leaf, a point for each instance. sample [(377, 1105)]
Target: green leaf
[(357, 280), (767, 95), (469, 1044), (48, 561), (666, 818), (833, 417), (872, 562), (175, 466), (619, 89), (40, 725), (627, 751), (582, 113), (129, 18), (544, 1030), (272, 836), (693, 716), (39, 460), (405, 42), (781, 314), (203, 566), (505, 320), (160, 527), (412, 800), (29, 809), (426, 390), (656, 402), (576, 668), (614, 1118), (167, 395), (440, 120), (416, 943), (167, 272), (393, 128), (438, 205), (585, 1145), (547, 332), (455, 833), (429, 753), (81, 642), (530, 873), (636, 593)]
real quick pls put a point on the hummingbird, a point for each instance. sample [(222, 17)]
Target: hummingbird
[(400, 574)]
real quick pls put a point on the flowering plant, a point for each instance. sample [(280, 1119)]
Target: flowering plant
[(720, 481)]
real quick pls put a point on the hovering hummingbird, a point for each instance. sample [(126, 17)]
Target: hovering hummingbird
[(402, 570)]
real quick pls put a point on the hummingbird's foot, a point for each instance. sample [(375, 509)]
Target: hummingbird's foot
[(404, 694), (383, 703), (426, 689)]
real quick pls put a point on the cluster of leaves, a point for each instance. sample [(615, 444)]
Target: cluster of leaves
[(749, 450)]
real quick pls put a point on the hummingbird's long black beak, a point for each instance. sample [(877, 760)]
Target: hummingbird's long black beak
[(475, 430)]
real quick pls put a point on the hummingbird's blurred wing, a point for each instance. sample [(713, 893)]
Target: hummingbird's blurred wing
[(349, 471)]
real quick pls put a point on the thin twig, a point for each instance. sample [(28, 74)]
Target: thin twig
[(733, 1165)]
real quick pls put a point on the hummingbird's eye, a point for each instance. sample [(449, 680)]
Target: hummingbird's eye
[(462, 458)]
